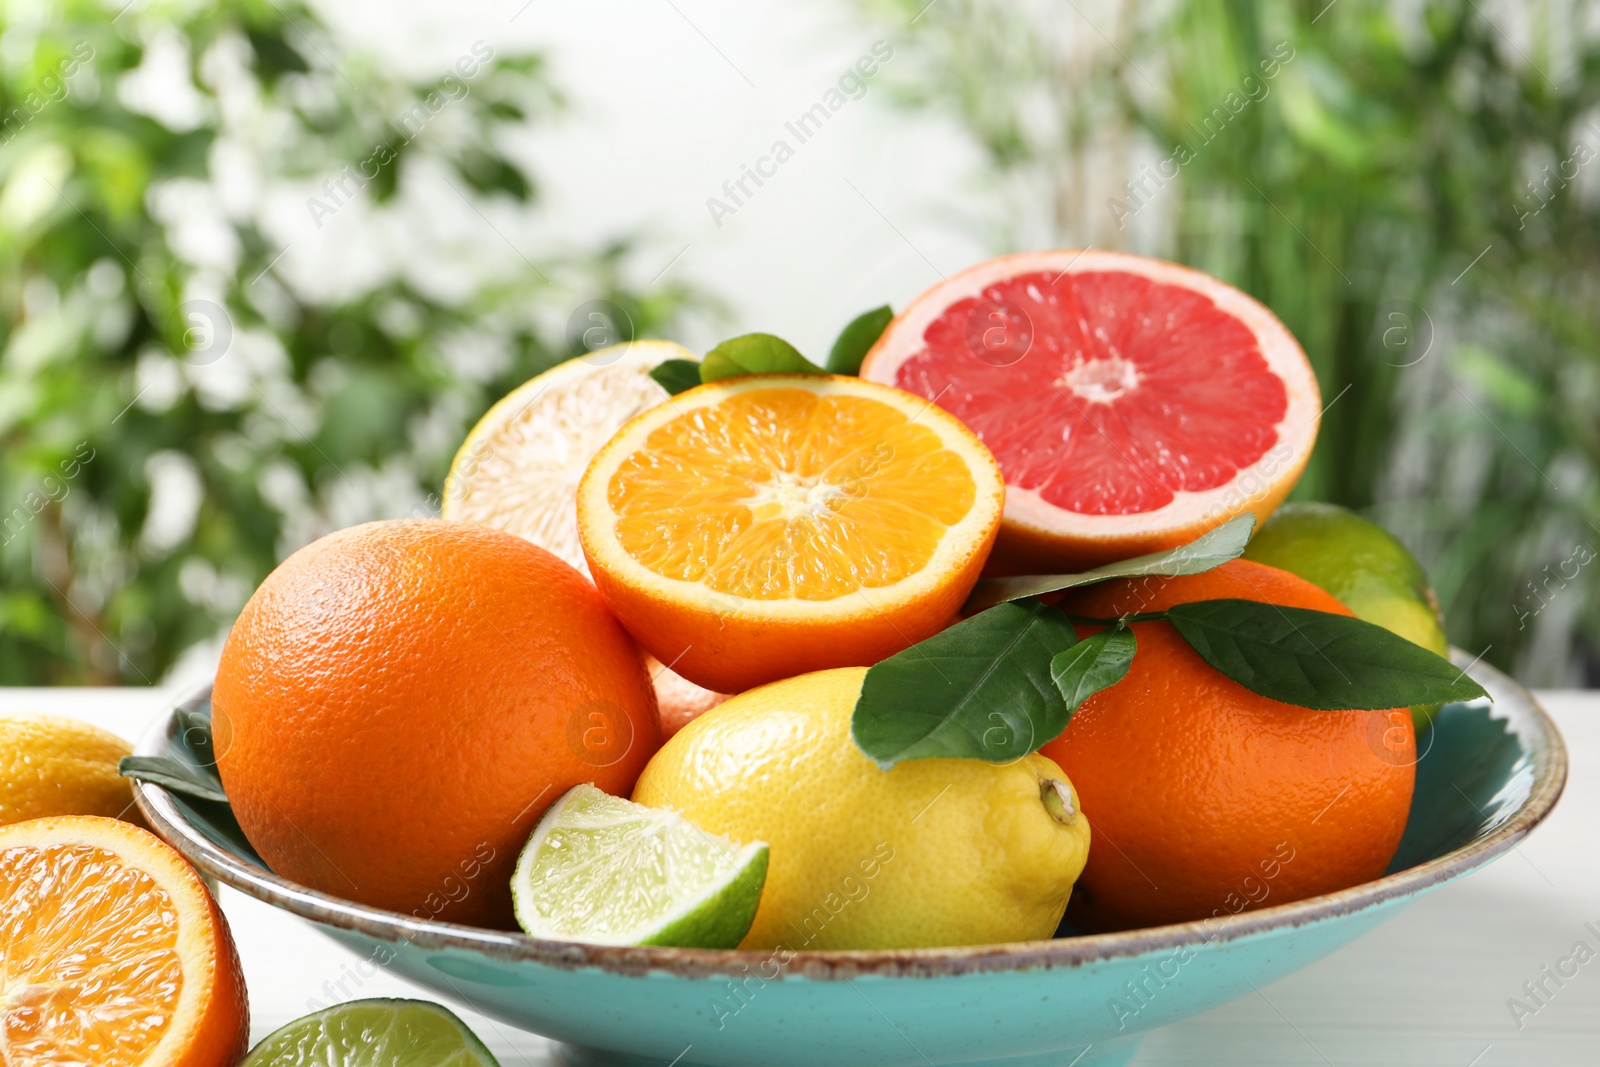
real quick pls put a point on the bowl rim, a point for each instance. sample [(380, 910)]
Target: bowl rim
[(1538, 733)]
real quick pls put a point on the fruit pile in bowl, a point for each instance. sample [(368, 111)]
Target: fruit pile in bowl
[(964, 696)]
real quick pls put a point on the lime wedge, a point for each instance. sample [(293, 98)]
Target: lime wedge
[(608, 871), (373, 1033)]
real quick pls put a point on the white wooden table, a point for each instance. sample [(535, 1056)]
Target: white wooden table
[(1430, 987)]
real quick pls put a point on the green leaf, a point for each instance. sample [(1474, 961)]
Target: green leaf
[(754, 353), (978, 690), (1211, 549), (488, 172), (676, 375), (857, 339), (507, 111), (1097, 662), (275, 55), (1315, 659), (172, 775), (194, 733), (1506, 384)]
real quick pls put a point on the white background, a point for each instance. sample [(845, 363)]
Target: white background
[(670, 99)]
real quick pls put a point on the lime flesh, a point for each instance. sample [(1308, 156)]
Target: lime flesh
[(605, 870), (373, 1033), (1360, 563)]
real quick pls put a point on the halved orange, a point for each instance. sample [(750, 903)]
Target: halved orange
[(761, 527), (112, 953)]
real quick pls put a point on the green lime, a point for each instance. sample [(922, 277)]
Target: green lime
[(373, 1033), (1361, 564), (606, 870)]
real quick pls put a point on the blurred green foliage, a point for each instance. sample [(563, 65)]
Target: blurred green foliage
[(178, 407), (1413, 188)]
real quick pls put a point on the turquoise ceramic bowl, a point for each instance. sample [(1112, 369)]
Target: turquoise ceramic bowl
[(1488, 775)]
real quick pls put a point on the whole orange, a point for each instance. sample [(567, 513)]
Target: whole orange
[(1208, 799), (400, 701)]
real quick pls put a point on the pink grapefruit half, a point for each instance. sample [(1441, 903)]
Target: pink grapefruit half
[(1133, 404)]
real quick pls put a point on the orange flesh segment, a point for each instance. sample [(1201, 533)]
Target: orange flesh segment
[(89, 965), (784, 494)]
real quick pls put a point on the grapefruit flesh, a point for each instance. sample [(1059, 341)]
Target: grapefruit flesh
[(1132, 404)]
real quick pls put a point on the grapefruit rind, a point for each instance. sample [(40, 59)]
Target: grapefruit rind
[(1039, 536)]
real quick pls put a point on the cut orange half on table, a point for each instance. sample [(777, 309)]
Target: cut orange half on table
[(518, 469), (761, 527), (1133, 404), (112, 953)]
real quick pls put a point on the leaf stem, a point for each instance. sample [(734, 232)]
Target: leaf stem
[(1121, 620)]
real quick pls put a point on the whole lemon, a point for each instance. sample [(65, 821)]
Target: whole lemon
[(53, 766), (931, 852)]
